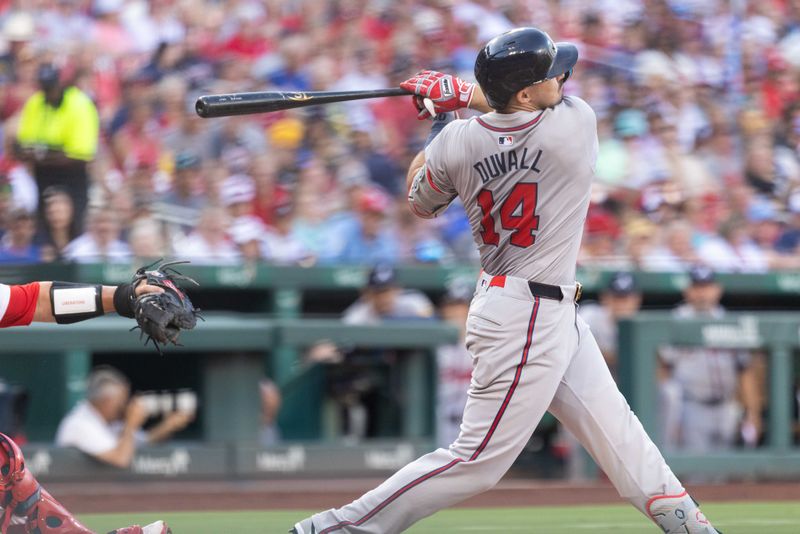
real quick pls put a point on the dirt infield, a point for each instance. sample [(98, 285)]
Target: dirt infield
[(321, 494)]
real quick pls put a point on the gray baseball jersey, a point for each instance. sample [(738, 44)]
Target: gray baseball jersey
[(706, 374), (524, 179)]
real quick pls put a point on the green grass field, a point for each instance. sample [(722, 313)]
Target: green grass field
[(732, 518)]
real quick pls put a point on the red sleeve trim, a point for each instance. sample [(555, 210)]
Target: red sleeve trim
[(430, 181), (417, 211), (21, 305)]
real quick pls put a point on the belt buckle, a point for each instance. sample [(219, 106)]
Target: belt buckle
[(578, 291)]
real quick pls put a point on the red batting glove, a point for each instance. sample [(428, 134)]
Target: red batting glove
[(447, 92)]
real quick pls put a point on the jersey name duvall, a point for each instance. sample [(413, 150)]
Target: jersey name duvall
[(506, 161)]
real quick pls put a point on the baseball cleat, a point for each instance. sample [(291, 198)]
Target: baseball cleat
[(303, 527), (679, 514), (159, 527)]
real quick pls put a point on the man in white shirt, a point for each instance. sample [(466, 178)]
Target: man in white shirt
[(107, 425), (209, 243), (101, 242)]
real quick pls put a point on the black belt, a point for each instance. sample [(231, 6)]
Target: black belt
[(539, 290), (552, 292), (714, 401)]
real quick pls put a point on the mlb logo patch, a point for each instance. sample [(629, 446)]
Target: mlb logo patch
[(505, 140)]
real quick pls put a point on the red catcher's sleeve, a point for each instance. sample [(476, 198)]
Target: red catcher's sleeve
[(21, 305)]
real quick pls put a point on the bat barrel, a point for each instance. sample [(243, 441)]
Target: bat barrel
[(263, 102), (209, 106)]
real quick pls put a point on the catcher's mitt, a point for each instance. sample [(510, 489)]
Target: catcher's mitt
[(162, 316)]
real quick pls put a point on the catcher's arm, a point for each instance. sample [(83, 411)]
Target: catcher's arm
[(46, 311)]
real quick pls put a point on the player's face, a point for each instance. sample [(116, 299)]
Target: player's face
[(622, 306), (544, 94), (383, 300), (552, 91), (703, 297)]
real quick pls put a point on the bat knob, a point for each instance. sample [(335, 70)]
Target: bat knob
[(429, 106), (201, 107)]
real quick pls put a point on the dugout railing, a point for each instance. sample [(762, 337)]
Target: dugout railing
[(272, 323), (226, 355), (776, 334)]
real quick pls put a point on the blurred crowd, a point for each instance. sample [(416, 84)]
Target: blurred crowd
[(104, 159)]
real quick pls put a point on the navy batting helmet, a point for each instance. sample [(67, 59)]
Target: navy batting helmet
[(518, 58)]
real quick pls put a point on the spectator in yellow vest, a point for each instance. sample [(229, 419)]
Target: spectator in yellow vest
[(57, 136)]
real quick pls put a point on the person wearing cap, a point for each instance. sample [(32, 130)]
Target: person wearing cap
[(237, 194), (58, 135), (620, 299), (384, 299), (700, 386), (357, 388), (617, 151), (182, 204), (600, 246), (187, 182), (19, 29), (453, 364), (16, 245), (369, 240), (279, 243), (636, 157), (247, 233)]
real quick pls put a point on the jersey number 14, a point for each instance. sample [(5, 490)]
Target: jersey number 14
[(517, 213)]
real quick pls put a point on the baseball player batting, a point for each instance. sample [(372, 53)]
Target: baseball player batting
[(523, 171), (27, 508)]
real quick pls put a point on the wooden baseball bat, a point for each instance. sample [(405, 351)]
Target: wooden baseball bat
[(264, 102)]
